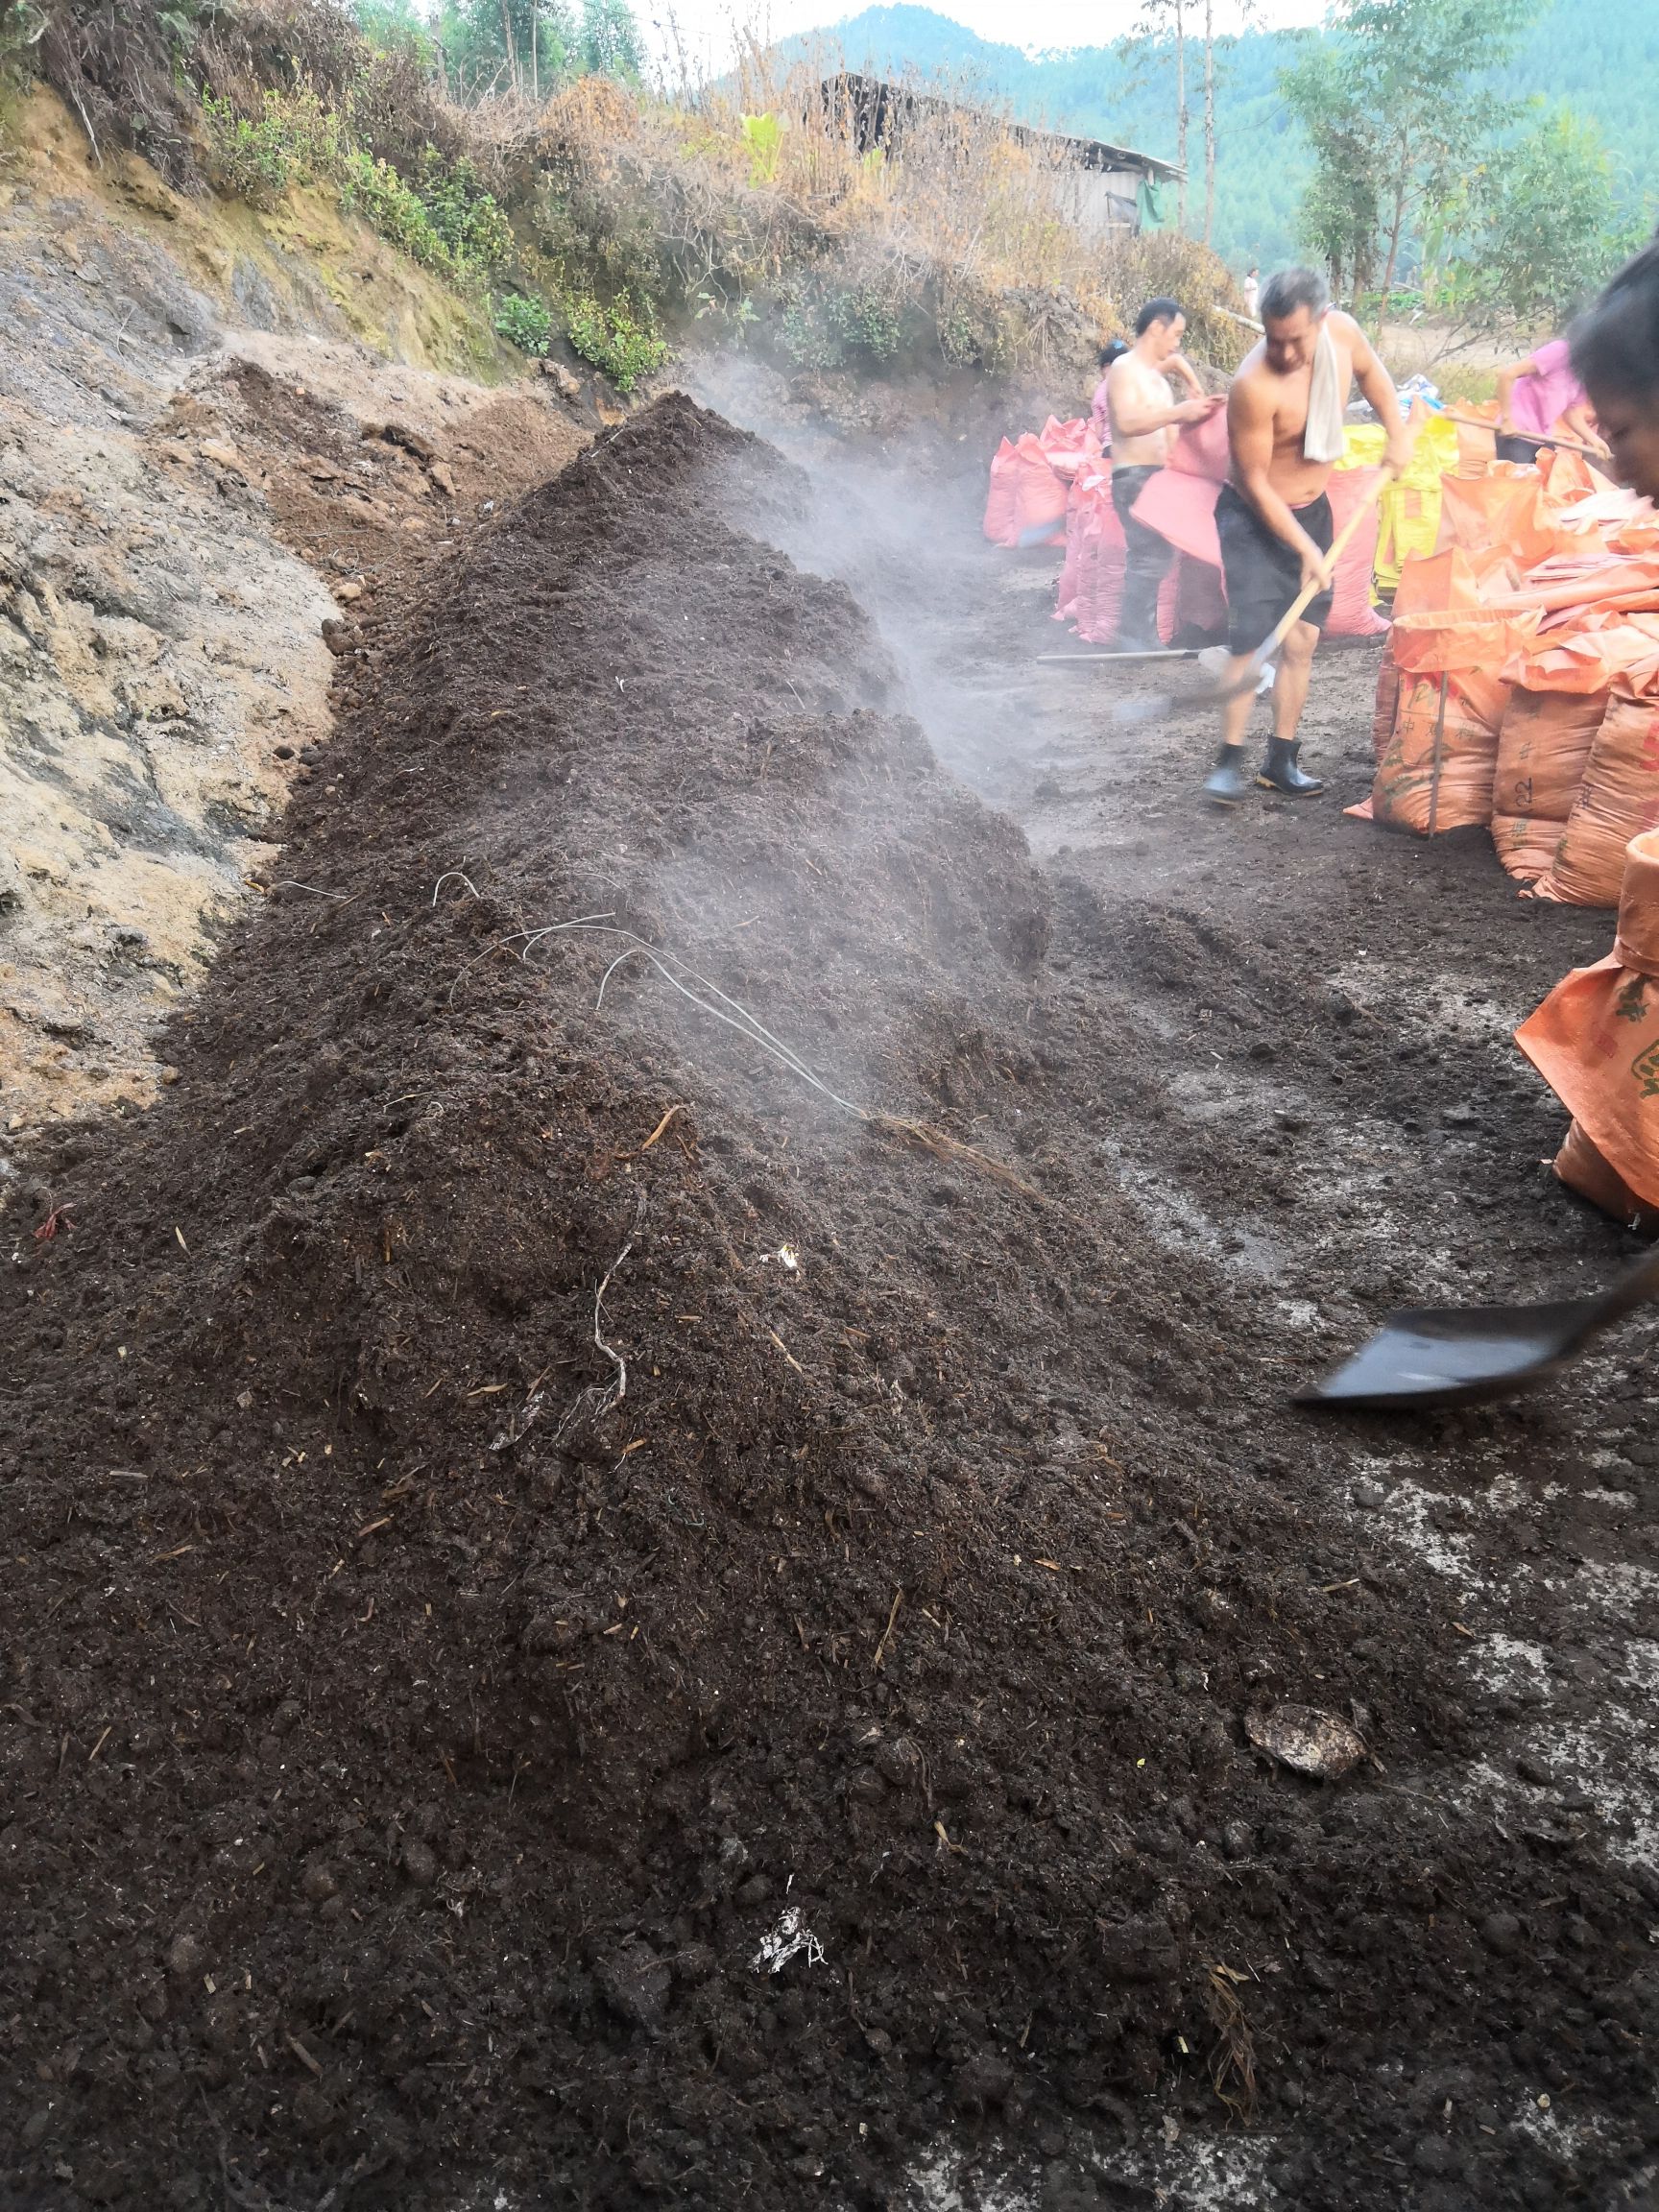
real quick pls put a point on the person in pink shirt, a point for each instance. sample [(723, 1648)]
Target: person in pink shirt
[(1533, 397), (1100, 414)]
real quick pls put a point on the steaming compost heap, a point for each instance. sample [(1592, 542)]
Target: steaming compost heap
[(587, 1620)]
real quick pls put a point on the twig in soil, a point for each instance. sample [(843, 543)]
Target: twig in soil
[(882, 1647), (617, 1396), (739, 1018), (785, 1349), (660, 1130), (593, 1402), (453, 876), (1232, 2061), (287, 883)]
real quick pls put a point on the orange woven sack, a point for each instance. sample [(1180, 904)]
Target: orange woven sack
[(1596, 1043), (1476, 442), (1505, 507), (1584, 1169), (1542, 748), (1435, 772), (1388, 704), (1437, 583), (1617, 801)]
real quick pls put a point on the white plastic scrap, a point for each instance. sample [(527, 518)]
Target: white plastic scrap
[(790, 1935)]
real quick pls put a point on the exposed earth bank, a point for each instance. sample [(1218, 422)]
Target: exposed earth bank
[(174, 544)]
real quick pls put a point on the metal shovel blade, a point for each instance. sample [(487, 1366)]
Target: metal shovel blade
[(1460, 1355)]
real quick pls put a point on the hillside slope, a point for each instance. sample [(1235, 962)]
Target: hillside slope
[(188, 495), (1261, 159)]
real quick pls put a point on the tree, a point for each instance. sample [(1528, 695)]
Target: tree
[(610, 44), (1535, 232), (1161, 21), (394, 23), (526, 44), (1209, 120), (1398, 109), (1341, 213)]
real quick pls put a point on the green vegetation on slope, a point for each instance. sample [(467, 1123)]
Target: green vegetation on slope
[(1603, 66)]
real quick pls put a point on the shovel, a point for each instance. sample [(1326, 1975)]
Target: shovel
[(1460, 1355), (1167, 703)]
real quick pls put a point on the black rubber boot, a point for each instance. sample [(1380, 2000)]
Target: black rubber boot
[(1280, 770), (1227, 783)]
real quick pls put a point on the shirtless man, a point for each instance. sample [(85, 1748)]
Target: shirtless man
[(1143, 422), (1273, 517)]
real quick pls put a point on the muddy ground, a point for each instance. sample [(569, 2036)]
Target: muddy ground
[(592, 1625)]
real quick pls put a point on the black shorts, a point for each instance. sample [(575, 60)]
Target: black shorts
[(1511, 448), (1263, 575)]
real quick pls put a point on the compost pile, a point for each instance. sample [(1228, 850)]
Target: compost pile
[(587, 1616)]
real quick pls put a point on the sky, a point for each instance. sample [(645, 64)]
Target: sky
[(708, 30)]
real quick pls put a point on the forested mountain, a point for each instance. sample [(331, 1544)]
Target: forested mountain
[(1602, 61)]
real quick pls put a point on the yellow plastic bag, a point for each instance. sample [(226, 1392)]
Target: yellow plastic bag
[(1410, 512)]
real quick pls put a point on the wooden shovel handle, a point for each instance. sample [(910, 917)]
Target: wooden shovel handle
[(1566, 444), (1309, 593)]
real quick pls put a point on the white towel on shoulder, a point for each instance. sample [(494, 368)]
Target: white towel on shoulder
[(1322, 439)]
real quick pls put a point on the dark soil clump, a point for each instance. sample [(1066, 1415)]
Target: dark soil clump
[(587, 1621)]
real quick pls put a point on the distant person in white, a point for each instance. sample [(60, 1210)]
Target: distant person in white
[(1252, 290)]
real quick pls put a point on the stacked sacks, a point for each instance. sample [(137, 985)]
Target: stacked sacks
[(1618, 799), (1090, 594), (1068, 446), (1090, 586), (1498, 685), (1440, 705), (1577, 752), (1030, 479), (1529, 508), (1596, 1043), (1542, 748)]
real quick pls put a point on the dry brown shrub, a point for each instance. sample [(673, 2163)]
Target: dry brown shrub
[(383, 95), (962, 226), (113, 65)]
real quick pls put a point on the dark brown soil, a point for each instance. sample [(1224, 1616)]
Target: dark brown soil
[(412, 1738)]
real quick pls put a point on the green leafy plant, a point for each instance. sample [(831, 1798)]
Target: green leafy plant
[(615, 339), (867, 319), (446, 220), (374, 189), (525, 322), (805, 331), (763, 135), (465, 215), (294, 138)]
